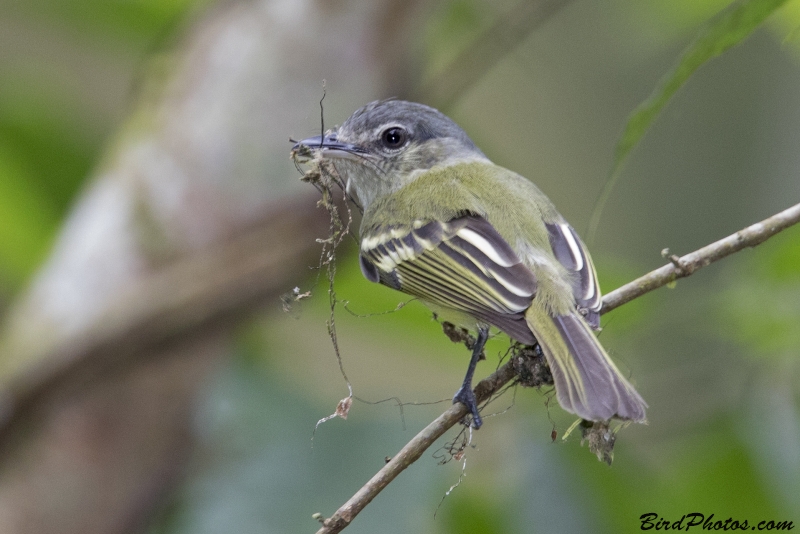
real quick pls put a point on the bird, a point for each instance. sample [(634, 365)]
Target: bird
[(445, 224)]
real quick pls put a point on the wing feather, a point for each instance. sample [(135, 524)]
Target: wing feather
[(570, 251), (462, 264)]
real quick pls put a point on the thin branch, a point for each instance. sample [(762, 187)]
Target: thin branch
[(680, 268), (411, 452)]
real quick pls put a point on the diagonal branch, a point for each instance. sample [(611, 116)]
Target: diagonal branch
[(682, 267), (679, 268)]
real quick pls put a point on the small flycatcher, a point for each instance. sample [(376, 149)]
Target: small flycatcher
[(443, 223)]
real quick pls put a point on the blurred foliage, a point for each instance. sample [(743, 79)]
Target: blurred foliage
[(134, 23), (54, 119), (477, 513), (763, 315), (728, 30), (456, 24), (716, 357)]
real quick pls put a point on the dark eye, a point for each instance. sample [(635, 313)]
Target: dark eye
[(394, 137)]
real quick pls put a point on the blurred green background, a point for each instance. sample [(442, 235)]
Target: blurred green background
[(716, 357)]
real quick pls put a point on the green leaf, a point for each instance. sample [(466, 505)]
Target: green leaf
[(729, 29)]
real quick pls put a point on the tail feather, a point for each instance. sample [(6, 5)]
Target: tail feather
[(587, 382)]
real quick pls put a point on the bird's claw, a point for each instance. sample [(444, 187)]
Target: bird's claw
[(466, 396)]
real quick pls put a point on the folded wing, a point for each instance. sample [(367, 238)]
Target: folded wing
[(463, 264), (570, 251)]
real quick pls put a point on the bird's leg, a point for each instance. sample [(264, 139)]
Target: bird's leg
[(465, 395)]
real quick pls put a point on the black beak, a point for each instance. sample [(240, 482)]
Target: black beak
[(328, 146)]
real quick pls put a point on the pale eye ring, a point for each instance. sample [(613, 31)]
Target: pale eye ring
[(394, 137)]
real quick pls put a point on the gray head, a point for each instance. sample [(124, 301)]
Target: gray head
[(387, 143)]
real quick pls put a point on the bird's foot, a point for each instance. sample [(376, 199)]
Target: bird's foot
[(466, 396)]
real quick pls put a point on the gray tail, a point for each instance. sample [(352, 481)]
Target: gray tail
[(587, 382)]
